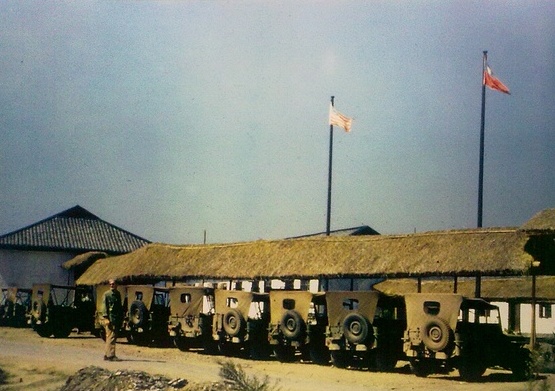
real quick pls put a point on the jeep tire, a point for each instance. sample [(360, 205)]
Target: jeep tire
[(436, 334), (292, 325)]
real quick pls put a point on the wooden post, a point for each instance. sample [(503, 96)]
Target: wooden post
[(478, 287), (533, 323)]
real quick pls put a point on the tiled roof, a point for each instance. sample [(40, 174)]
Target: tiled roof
[(355, 231), (75, 230)]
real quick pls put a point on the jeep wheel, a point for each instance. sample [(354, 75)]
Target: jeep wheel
[(339, 358), (292, 325), (234, 322), (138, 314), (471, 369), (258, 350), (356, 328), (319, 353), (182, 343), (44, 330), (436, 334), (140, 339), (420, 368), (284, 353), (384, 360), (62, 331)]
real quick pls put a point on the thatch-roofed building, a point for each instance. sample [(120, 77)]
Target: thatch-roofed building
[(493, 289), (36, 253), (463, 253)]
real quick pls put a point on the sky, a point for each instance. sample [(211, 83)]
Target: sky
[(170, 119)]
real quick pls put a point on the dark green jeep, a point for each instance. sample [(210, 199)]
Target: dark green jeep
[(191, 315), (365, 329), (241, 323), (297, 324), (447, 331), (56, 310)]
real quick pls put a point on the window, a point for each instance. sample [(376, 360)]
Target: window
[(139, 296), (350, 304), (545, 310), (431, 307), (185, 298), (231, 302), (289, 304)]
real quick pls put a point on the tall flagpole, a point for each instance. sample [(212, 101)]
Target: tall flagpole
[(483, 119), (328, 218)]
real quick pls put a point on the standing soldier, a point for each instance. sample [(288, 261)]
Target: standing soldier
[(113, 319)]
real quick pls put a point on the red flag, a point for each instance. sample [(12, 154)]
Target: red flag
[(493, 82)]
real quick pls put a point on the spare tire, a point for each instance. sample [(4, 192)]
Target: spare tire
[(357, 328), (138, 314), (436, 334), (292, 325), (233, 322)]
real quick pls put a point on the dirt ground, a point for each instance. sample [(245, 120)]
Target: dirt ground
[(35, 363)]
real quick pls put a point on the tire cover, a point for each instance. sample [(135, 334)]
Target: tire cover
[(357, 328), (138, 314), (292, 325), (233, 322), (436, 334)]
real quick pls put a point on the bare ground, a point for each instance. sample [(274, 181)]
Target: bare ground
[(35, 363)]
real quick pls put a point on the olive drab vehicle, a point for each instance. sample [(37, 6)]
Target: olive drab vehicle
[(15, 304), (298, 323), (99, 291), (365, 328), (446, 331), (241, 323), (56, 310), (191, 316), (148, 313)]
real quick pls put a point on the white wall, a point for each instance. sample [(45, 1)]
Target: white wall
[(24, 268), (543, 326)]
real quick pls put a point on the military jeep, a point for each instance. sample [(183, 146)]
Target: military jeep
[(365, 329), (191, 316), (241, 323), (447, 331), (99, 291), (297, 324), (15, 304), (56, 310), (148, 312)]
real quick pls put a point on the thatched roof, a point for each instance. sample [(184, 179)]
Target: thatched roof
[(541, 223), (84, 259), (488, 251), (496, 289)]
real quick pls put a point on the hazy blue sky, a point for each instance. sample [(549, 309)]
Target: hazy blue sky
[(168, 118)]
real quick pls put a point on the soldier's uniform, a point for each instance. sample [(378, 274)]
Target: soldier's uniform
[(112, 320)]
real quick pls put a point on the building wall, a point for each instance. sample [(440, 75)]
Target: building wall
[(544, 326), (24, 268)]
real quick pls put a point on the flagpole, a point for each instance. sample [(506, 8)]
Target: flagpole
[(328, 217), (482, 134)]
